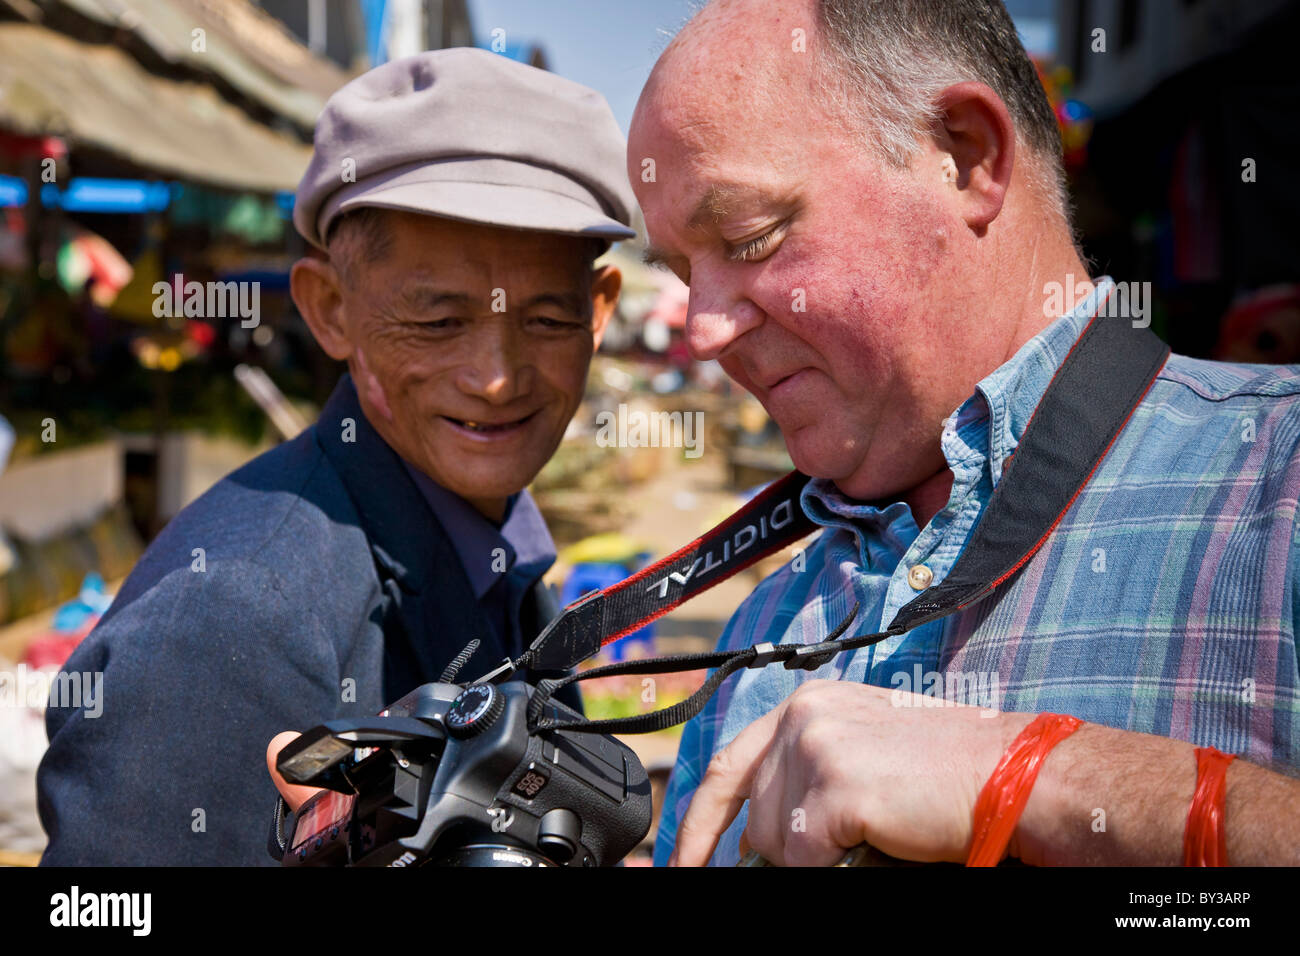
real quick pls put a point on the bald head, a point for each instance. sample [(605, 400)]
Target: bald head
[(881, 64), (731, 53)]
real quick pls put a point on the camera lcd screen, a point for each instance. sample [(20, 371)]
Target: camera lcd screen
[(320, 814)]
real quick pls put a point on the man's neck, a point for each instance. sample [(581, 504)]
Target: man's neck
[(1051, 260), (929, 497)]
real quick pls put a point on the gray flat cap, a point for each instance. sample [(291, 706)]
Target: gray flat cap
[(467, 134)]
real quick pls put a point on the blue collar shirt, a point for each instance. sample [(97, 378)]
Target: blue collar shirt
[(1165, 601)]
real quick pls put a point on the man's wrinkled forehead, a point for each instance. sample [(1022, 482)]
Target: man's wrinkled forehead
[(717, 154), (708, 169), (433, 260)]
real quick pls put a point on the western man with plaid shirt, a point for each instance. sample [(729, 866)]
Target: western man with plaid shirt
[(874, 229)]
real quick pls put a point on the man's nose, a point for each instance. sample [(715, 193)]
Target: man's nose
[(498, 369), (715, 321)]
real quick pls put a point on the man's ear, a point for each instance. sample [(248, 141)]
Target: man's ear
[(977, 149), (606, 282), (317, 291)]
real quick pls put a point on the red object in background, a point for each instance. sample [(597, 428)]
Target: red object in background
[(1262, 327), (39, 147), (54, 648), (200, 333), (1073, 118), (671, 304), (102, 265)]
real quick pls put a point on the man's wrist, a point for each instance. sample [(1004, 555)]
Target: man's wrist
[(1047, 810), (1107, 796), (1009, 725)]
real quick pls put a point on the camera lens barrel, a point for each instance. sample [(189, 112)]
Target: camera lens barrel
[(488, 854)]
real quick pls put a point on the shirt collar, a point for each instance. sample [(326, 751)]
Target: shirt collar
[(522, 540), (1006, 399), (1014, 389)]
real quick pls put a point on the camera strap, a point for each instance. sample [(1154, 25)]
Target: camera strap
[(1087, 403), (770, 521)]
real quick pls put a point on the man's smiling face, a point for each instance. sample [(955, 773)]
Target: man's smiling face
[(810, 262), (470, 347)]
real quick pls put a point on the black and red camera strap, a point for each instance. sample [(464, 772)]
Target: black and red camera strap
[(770, 521), (1086, 405)]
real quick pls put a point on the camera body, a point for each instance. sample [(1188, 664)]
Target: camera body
[(451, 775)]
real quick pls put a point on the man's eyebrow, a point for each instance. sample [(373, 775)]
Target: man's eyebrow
[(722, 199), (654, 256), (570, 301), (429, 296), (718, 202)]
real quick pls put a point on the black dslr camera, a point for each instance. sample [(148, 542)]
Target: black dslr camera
[(450, 775)]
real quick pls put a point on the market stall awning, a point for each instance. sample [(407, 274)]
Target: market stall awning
[(97, 96), (245, 46)]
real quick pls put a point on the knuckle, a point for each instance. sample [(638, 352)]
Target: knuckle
[(687, 829), (767, 846), (721, 765), (816, 737), (805, 702)]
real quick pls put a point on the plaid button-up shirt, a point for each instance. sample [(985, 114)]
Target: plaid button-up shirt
[(1166, 601)]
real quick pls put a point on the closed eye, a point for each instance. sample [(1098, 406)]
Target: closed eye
[(551, 322), (756, 249)]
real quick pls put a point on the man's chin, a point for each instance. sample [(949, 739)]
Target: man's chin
[(479, 476), (488, 486), (818, 458)]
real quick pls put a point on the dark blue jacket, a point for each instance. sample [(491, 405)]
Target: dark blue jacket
[(325, 588)]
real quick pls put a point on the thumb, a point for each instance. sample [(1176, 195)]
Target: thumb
[(295, 795)]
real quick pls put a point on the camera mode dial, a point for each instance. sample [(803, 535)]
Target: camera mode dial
[(477, 707)]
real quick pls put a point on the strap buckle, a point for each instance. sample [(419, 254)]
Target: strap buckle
[(764, 654), (809, 657)]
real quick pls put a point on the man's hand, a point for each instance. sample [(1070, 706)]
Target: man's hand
[(838, 764), (294, 794)]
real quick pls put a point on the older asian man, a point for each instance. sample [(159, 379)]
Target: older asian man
[(865, 199), (459, 200)]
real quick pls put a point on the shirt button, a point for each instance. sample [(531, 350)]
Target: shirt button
[(919, 577)]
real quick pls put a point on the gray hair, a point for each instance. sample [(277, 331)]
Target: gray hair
[(358, 237), (889, 59)]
